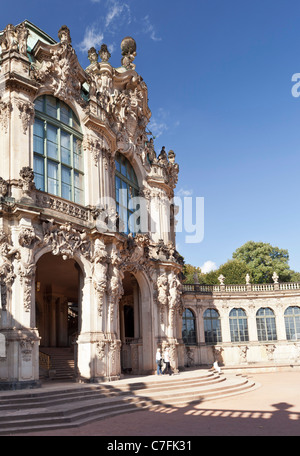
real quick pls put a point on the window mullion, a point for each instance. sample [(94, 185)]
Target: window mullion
[(59, 161), (72, 168), (45, 155)]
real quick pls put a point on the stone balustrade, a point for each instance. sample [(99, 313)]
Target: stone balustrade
[(240, 288)]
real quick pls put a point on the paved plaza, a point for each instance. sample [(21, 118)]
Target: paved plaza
[(272, 409)]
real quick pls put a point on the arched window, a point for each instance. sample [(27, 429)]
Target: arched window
[(238, 325), (292, 322), (212, 326), (189, 327), (57, 148), (126, 189), (266, 325)]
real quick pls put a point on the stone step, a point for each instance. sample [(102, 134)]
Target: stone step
[(61, 396), (62, 362), (70, 406)]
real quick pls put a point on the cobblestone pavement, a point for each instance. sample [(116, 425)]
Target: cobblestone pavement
[(273, 409)]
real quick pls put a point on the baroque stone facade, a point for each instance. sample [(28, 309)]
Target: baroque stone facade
[(87, 237), (78, 266)]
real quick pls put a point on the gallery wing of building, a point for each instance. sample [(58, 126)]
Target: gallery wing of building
[(88, 265)]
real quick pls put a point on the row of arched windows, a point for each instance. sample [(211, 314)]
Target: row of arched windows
[(238, 323)]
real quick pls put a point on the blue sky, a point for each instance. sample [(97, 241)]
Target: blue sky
[(219, 76)]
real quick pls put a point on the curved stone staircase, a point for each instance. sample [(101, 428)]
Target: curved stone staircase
[(67, 405)]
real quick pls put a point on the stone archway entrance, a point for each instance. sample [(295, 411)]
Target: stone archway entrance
[(58, 297), (130, 335)]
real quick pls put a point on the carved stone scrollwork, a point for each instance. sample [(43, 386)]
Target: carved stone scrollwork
[(115, 287), (26, 114), (114, 352), (95, 146), (66, 240), (100, 269), (29, 242), (3, 188), (27, 181), (5, 114), (7, 276), (100, 349), (14, 39), (57, 66), (26, 347), (136, 250)]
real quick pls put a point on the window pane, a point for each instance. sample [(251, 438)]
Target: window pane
[(292, 323), (52, 146), (38, 167), (51, 108), (39, 104), (78, 196), (77, 149), (38, 128), (118, 166), (75, 122), (65, 148), (64, 113), (123, 166), (66, 191), (188, 328), (78, 180), (66, 175), (38, 137), (53, 185)]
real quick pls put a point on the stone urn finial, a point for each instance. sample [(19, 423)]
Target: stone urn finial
[(275, 277), (221, 279), (128, 48)]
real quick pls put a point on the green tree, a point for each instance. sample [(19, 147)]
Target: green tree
[(262, 260), (191, 273), (234, 271)]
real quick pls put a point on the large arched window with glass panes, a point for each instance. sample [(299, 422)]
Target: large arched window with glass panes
[(238, 325), (212, 326), (189, 327), (292, 322), (266, 324), (57, 150), (126, 189)]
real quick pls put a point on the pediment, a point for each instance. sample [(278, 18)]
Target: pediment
[(57, 65)]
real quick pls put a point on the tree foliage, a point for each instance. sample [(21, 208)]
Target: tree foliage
[(191, 273), (258, 259), (262, 260)]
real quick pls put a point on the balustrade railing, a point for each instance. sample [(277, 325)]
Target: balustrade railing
[(239, 288), (58, 204), (44, 361)]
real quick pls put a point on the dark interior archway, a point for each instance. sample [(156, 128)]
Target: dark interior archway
[(129, 323), (58, 297)]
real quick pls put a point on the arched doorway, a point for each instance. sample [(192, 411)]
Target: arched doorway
[(130, 336), (58, 297)]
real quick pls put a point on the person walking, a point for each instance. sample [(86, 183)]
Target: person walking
[(167, 362), (158, 361)]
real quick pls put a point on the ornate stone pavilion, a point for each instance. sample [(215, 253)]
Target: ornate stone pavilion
[(87, 256), (74, 154)]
